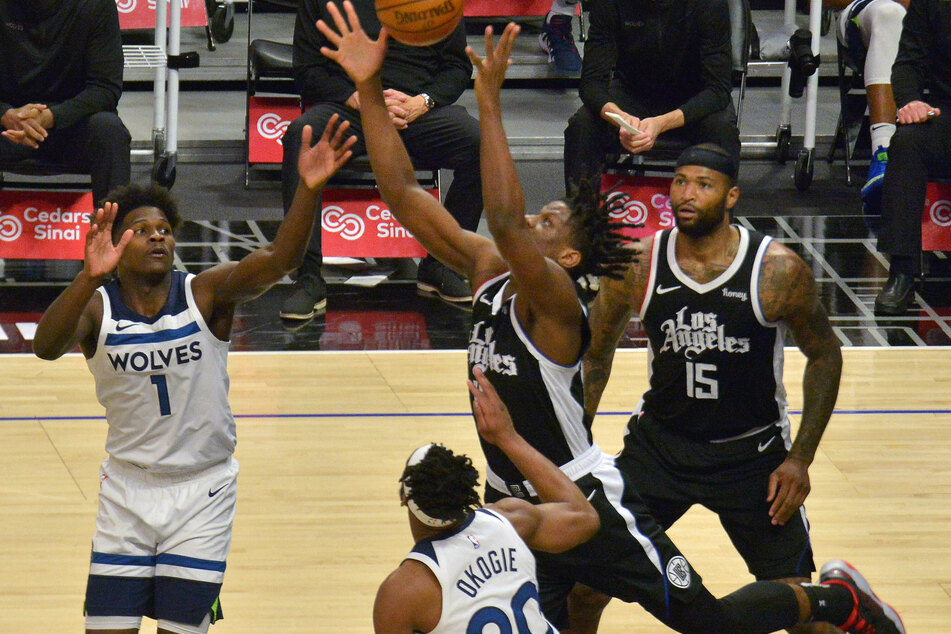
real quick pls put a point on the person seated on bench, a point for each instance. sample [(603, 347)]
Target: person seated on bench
[(60, 83), (423, 84), (921, 147), (869, 30), (660, 66)]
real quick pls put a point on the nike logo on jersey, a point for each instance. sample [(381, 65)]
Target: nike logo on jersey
[(661, 290), (763, 445), (122, 325), (212, 494)]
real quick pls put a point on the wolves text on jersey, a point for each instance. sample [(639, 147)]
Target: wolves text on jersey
[(141, 361), (699, 332), (482, 352)]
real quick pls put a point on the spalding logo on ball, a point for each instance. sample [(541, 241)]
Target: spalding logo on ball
[(419, 22)]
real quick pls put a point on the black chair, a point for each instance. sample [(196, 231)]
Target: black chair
[(663, 155), (38, 173), (852, 130)]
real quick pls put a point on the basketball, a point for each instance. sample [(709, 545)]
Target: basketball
[(419, 22)]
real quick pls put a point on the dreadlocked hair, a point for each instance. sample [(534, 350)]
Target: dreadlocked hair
[(443, 484), (597, 236)]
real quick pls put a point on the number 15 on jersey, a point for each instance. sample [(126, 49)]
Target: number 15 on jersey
[(701, 380)]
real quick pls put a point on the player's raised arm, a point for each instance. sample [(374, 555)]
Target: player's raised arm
[(565, 518), (543, 282), (421, 214), (72, 318), (236, 283)]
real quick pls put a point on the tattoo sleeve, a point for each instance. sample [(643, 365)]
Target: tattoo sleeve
[(788, 293)]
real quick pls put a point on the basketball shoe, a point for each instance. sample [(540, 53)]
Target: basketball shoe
[(870, 615), (872, 189), (556, 40)]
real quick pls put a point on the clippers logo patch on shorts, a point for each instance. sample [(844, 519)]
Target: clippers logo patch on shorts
[(678, 572)]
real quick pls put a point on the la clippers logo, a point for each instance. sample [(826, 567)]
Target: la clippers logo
[(271, 126), (632, 211), (349, 225), (10, 228), (125, 6), (941, 213)]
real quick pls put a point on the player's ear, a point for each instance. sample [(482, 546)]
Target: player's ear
[(569, 258)]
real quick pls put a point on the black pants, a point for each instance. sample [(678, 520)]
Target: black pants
[(588, 137), (917, 152), (97, 145), (446, 137)]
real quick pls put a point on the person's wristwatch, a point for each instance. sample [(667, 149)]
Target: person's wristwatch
[(429, 101)]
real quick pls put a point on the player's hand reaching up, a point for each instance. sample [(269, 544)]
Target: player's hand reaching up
[(318, 163), (356, 53), (492, 417), (101, 256), (490, 71)]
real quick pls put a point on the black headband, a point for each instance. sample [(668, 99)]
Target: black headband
[(711, 157)]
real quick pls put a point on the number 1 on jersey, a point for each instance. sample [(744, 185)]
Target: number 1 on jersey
[(700, 382), (161, 386)]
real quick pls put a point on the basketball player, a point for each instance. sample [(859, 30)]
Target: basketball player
[(472, 566), (528, 335), (156, 342), (713, 429)]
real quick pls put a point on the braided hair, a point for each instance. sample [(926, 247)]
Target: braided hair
[(443, 484), (598, 237)]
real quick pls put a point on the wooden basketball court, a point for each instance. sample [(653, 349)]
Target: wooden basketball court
[(324, 436)]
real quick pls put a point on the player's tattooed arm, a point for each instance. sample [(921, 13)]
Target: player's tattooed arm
[(788, 294), (610, 314)]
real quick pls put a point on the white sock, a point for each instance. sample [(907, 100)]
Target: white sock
[(882, 134), (561, 7)]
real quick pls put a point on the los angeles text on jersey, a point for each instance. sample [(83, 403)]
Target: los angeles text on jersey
[(484, 567), (482, 351), (698, 332), (157, 359)]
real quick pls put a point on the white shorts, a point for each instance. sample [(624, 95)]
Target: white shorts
[(161, 543)]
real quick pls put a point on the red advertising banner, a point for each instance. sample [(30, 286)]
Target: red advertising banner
[(356, 223), (504, 8), (268, 121), (44, 225), (936, 218), (647, 201), (140, 14)]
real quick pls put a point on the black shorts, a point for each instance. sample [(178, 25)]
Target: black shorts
[(630, 558), (672, 473)]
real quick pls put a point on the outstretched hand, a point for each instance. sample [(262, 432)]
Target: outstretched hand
[(317, 164), (492, 417), (491, 69), (101, 256), (357, 54)]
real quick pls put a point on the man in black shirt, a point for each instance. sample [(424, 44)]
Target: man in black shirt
[(60, 82), (662, 65), (920, 148), (423, 83)]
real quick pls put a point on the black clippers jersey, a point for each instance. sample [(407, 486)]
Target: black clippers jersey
[(715, 363), (544, 398)]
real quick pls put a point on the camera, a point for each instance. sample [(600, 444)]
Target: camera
[(801, 62)]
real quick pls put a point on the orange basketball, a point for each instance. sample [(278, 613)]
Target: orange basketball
[(419, 22)]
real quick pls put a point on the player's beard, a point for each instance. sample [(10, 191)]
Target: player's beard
[(705, 221)]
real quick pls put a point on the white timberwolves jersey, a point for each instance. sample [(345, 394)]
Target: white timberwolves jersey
[(487, 574), (164, 383)]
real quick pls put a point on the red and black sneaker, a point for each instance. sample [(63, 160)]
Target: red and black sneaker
[(870, 615)]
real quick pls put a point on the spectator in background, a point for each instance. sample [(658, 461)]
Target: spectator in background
[(665, 68), (870, 30), (422, 84), (920, 148), (60, 83)]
